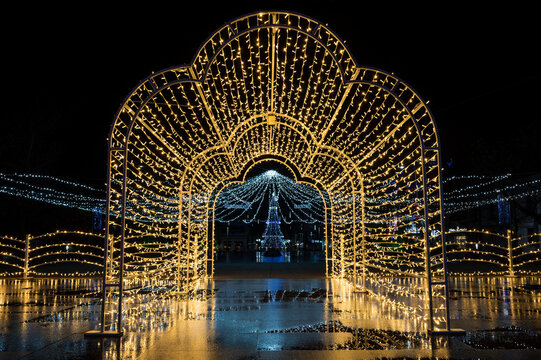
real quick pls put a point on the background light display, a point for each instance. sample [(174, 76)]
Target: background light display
[(302, 203)]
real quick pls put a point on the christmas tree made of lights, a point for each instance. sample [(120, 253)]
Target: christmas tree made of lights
[(272, 236)]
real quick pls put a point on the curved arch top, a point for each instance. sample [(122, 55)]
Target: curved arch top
[(275, 19), (349, 76)]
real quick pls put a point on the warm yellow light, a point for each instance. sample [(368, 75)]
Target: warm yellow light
[(290, 92)]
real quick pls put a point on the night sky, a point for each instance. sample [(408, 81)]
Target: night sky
[(66, 74)]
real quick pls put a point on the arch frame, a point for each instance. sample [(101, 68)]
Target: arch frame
[(146, 90)]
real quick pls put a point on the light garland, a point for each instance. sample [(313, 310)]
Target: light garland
[(239, 199), (31, 186), (47, 189), (274, 87), (503, 253), (462, 195), (30, 257)]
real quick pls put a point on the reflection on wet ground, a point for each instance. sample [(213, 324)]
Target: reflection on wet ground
[(361, 339), (294, 264), (264, 318), (504, 337)]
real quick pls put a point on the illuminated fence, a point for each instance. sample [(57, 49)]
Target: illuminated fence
[(54, 254), (468, 252), (483, 252)]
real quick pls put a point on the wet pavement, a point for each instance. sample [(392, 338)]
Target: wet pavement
[(257, 317)]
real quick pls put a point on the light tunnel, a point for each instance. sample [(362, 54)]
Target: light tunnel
[(282, 87)]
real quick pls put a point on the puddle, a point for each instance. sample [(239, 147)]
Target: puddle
[(504, 337), (270, 315), (531, 287), (84, 311), (315, 294), (360, 339), (237, 308)]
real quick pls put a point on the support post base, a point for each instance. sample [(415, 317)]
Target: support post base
[(447, 332), (102, 334), (360, 291)]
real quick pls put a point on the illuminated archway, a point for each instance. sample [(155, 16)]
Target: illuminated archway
[(298, 179), (275, 85)]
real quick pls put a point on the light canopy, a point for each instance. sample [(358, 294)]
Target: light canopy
[(275, 86)]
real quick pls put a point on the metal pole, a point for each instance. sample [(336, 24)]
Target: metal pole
[(510, 251), (188, 244), (213, 239), (443, 246), (108, 258), (426, 231), (341, 256), (179, 243), (106, 241), (195, 251), (122, 239), (26, 251), (363, 239), (326, 244), (334, 247), (354, 242)]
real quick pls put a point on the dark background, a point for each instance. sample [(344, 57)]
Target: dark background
[(68, 69)]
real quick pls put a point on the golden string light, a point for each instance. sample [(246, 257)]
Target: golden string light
[(504, 254), (281, 87), (463, 246), (32, 255)]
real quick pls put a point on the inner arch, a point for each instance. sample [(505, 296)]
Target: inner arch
[(270, 166)]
